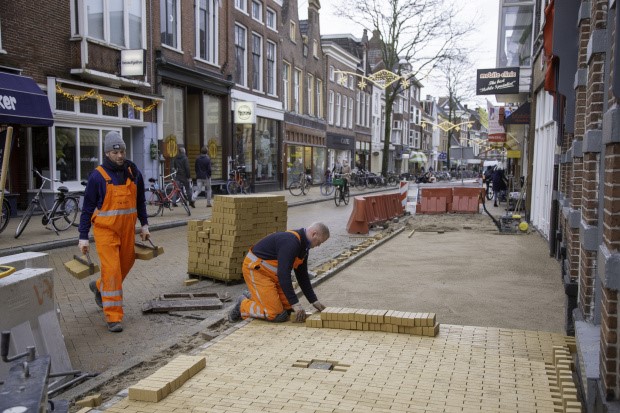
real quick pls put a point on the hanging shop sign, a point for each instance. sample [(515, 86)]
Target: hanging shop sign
[(502, 81), (132, 62), (245, 112), (497, 133)]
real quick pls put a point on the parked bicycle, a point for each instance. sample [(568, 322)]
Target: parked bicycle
[(238, 182), (6, 214), (61, 215), (341, 194), (301, 185), (327, 187), (157, 199)]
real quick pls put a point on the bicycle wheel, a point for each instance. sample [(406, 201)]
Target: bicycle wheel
[(337, 197), (25, 219), (392, 181), (6, 215), (183, 202), (327, 188), (65, 214), (295, 188), (345, 196), (490, 193), (305, 188), (154, 203), (233, 188), (360, 183), (245, 187)]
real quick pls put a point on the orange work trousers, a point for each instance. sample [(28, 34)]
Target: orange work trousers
[(114, 232), (267, 298)]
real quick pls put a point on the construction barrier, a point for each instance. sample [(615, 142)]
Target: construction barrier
[(449, 200), (373, 210), (404, 188)]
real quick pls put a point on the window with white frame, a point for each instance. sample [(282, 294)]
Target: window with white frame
[(286, 76), (257, 10), (367, 97), (319, 98), (350, 113), (330, 108), (297, 91), (241, 5), (119, 23), (271, 19), (351, 82), (207, 33), (315, 48), (271, 68), (310, 94), (170, 12), (240, 56), (362, 108), (257, 62), (293, 32), (338, 114), (331, 73), (343, 114)]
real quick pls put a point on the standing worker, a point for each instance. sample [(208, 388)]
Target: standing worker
[(203, 174), (181, 164), (267, 273), (113, 200)]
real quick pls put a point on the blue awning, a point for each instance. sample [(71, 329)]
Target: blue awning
[(22, 102)]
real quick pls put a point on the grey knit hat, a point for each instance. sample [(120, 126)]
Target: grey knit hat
[(113, 142)]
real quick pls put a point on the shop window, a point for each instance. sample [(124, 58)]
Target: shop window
[(66, 153), (294, 162), (89, 151), (266, 149), (213, 133), (242, 150), (174, 113), (88, 106)]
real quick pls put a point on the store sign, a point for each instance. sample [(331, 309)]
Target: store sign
[(502, 81), (497, 133), (132, 62), (245, 112)]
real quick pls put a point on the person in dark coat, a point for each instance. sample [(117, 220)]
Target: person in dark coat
[(181, 164), (203, 174), (499, 184)]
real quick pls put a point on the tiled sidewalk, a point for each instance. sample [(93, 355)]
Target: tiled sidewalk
[(462, 369)]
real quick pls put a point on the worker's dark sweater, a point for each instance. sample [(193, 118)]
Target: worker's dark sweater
[(285, 247)]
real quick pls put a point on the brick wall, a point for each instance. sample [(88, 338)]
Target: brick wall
[(609, 344)]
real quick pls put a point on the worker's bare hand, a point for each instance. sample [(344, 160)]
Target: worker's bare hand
[(144, 233)]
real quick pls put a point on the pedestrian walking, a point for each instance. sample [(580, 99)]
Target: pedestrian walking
[(181, 164), (500, 185), (267, 274), (113, 201), (203, 175)]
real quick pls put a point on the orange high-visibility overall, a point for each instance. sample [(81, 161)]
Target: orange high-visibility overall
[(114, 231), (261, 277)]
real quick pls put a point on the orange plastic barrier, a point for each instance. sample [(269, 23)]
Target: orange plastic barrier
[(358, 224), (372, 210), (435, 200), (465, 200)]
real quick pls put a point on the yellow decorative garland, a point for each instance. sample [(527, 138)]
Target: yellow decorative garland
[(94, 94)]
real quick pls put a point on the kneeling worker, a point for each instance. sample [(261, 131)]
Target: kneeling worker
[(267, 273)]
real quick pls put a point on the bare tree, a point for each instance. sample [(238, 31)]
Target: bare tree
[(415, 36), (460, 84)]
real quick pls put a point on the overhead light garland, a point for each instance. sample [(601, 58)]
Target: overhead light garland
[(382, 79), (94, 94)]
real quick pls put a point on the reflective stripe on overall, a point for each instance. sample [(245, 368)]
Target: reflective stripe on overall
[(261, 277), (114, 231)]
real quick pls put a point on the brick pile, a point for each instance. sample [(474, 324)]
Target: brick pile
[(218, 246), (388, 321)]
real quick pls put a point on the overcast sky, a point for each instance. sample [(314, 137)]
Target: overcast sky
[(482, 13)]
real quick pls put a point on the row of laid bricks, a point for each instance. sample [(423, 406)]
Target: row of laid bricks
[(446, 200)]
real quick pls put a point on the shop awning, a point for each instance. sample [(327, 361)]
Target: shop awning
[(22, 102), (417, 157)]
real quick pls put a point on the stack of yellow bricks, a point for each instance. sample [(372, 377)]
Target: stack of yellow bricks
[(167, 379), (562, 375), (218, 246), (388, 321)]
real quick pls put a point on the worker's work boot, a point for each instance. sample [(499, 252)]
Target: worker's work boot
[(235, 312), (93, 287), (115, 327)]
